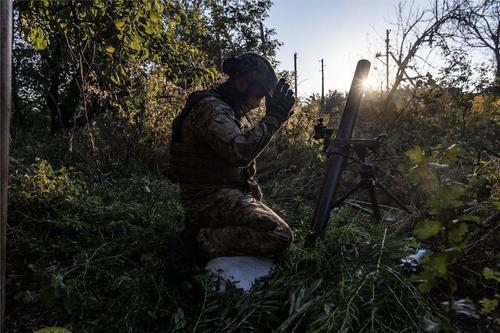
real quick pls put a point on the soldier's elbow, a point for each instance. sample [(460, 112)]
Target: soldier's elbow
[(242, 162)]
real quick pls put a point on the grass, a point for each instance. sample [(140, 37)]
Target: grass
[(89, 253), (92, 258)]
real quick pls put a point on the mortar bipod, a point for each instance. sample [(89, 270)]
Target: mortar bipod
[(368, 180)]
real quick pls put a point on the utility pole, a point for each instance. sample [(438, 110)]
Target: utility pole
[(322, 87), (387, 31), (295, 71), (386, 55), (5, 106)]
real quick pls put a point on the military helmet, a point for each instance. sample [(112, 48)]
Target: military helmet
[(256, 66)]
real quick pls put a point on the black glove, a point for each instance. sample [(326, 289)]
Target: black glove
[(280, 104)]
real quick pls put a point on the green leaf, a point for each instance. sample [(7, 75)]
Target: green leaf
[(456, 233), (496, 204), (115, 78), (426, 229), (451, 153), (53, 330), (490, 274), (122, 70), (145, 54), (438, 263), (446, 196), (155, 18), (99, 4), (415, 154), (471, 218), (119, 24), (135, 44), (110, 49), (38, 39), (488, 305)]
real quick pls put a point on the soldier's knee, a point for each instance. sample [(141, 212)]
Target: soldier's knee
[(283, 236)]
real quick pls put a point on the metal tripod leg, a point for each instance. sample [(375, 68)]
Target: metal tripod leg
[(364, 183), (345, 196), (358, 207), (392, 196), (373, 199)]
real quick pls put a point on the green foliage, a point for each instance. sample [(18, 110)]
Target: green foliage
[(134, 60), (119, 34), (89, 248), (91, 215), (488, 305), (490, 274), (104, 245), (38, 39), (45, 186), (415, 154), (444, 200), (426, 229), (236, 25), (98, 253), (450, 226)]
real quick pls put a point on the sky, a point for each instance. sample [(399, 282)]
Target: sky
[(339, 31), (343, 32)]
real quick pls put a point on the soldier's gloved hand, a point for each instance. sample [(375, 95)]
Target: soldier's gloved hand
[(279, 105)]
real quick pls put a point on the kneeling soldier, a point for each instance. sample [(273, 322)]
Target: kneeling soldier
[(213, 160)]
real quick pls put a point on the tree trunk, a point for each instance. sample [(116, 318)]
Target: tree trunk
[(399, 75), (17, 115), (63, 112), (52, 100), (497, 76)]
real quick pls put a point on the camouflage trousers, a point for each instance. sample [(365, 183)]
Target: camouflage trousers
[(232, 222)]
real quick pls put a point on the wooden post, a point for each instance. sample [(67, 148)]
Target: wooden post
[(387, 31), (5, 106)]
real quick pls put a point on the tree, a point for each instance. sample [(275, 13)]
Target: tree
[(94, 56), (477, 24), (236, 26), (80, 40), (415, 28)]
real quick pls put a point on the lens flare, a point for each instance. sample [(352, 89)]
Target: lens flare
[(369, 84)]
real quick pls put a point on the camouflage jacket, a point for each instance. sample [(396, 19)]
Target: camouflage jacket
[(216, 149)]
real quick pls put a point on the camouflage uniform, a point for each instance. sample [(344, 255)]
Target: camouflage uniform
[(214, 162)]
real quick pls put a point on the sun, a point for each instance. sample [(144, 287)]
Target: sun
[(370, 83)]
